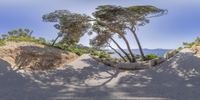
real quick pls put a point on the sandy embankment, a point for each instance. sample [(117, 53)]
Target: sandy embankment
[(26, 55)]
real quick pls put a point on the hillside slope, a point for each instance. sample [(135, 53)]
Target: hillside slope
[(26, 55)]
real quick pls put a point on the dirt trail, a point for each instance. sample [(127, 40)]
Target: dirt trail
[(176, 79)]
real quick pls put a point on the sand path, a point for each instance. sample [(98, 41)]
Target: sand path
[(176, 79)]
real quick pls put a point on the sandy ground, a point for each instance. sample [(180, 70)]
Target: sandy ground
[(176, 79)]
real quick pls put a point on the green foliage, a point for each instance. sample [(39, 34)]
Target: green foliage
[(179, 49), (26, 39), (189, 45), (151, 56), (197, 41), (4, 36), (127, 16), (2, 42), (20, 32), (78, 51), (100, 54), (118, 20), (103, 55), (71, 26), (21, 35), (73, 48)]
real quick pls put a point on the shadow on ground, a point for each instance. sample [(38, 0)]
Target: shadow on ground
[(90, 79)]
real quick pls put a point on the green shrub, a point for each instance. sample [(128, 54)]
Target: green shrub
[(179, 49), (94, 53), (151, 56), (2, 42), (27, 39), (188, 45), (77, 51)]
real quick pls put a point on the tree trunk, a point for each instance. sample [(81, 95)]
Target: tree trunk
[(128, 47), (55, 40), (117, 53), (128, 57), (124, 38), (138, 43)]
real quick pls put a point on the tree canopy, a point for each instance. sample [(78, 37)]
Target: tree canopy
[(72, 26), (120, 19), (107, 21)]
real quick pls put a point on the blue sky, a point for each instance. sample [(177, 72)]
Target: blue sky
[(182, 23)]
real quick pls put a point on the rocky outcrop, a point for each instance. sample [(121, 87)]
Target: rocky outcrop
[(24, 55)]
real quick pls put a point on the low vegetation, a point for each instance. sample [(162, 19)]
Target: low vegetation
[(150, 56), (21, 35), (195, 43), (2, 42), (185, 45)]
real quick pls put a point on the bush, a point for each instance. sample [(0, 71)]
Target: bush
[(151, 56), (2, 42), (188, 45), (94, 53), (100, 54), (27, 39), (78, 51)]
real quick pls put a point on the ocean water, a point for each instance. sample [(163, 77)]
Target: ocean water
[(158, 52)]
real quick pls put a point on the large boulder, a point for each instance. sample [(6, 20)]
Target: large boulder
[(27, 56)]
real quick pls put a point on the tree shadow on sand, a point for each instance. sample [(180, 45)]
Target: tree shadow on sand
[(95, 81), (13, 85), (52, 85), (74, 82), (173, 79)]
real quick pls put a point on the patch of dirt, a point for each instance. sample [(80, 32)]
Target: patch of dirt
[(30, 56)]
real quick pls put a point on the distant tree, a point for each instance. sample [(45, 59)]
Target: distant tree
[(4, 36), (20, 32), (71, 26)]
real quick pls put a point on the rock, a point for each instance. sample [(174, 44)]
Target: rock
[(156, 61)]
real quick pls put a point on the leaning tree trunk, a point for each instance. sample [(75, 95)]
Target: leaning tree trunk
[(138, 43), (124, 38), (128, 57), (117, 52), (129, 48), (55, 40)]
